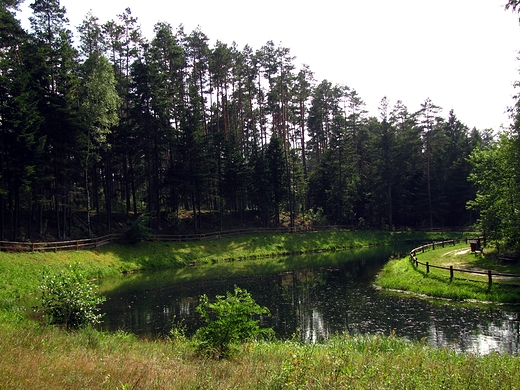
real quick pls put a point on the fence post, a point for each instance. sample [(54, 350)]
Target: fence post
[(433, 245), (427, 267), (451, 272), (490, 279)]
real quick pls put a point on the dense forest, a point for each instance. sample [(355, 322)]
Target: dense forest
[(107, 125)]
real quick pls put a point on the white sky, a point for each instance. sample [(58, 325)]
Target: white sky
[(462, 54)]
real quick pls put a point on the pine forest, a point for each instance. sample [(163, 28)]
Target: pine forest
[(103, 125)]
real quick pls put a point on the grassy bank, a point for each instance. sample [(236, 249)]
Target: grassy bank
[(403, 274), (35, 356), (21, 272)]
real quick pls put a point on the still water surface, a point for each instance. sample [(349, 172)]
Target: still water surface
[(314, 302)]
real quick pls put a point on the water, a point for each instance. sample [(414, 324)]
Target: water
[(315, 302)]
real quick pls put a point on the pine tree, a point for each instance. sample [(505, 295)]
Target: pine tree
[(99, 114), (22, 143), (428, 121), (54, 68)]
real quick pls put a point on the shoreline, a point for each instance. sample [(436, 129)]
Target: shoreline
[(403, 276)]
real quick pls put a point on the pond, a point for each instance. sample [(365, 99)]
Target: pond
[(311, 297)]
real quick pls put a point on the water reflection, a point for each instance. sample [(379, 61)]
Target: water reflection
[(335, 297)]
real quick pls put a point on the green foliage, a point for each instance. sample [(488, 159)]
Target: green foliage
[(178, 330), (496, 176), (69, 299), (316, 217), (139, 230), (229, 322)]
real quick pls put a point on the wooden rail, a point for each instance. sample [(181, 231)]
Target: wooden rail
[(89, 243), (432, 246), (241, 232)]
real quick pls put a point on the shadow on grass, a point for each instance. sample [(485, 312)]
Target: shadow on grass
[(493, 262), (148, 255)]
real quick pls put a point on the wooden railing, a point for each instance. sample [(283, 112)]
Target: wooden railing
[(16, 246), (241, 232), (88, 243), (489, 273)]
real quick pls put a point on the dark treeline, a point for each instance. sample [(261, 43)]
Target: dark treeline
[(113, 123)]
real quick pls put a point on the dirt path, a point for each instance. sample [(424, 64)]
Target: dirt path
[(470, 267)]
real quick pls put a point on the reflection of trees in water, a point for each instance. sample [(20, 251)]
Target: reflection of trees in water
[(318, 302), (503, 337), (299, 287)]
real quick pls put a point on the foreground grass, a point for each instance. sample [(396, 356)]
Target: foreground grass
[(35, 357), (402, 274)]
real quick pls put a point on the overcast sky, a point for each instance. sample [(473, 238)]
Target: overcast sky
[(462, 54)]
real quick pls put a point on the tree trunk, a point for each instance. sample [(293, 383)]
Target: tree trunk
[(132, 179), (127, 185), (302, 137), (108, 194), (57, 201), (96, 195), (390, 208)]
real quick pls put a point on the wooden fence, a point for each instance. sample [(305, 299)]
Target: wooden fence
[(15, 246), (242, 232), (433, 245), (88, 243)]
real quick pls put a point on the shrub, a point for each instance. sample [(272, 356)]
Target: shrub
[(229, 322), (316, 217), (178, 330), (139, 230), (69, 299)]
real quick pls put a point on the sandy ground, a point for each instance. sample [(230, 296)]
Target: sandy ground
[(459, 253)]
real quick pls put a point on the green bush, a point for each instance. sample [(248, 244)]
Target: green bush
[(139, 230), (229, 322), (69, 299)]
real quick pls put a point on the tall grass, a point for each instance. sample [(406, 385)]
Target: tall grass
[(47, 358)]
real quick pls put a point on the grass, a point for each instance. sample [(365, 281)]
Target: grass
[(47, 358), (403, 274), (35, 356)]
